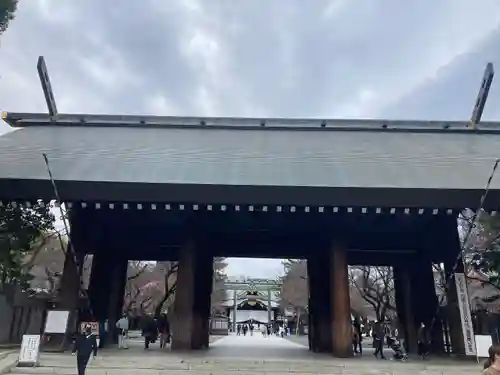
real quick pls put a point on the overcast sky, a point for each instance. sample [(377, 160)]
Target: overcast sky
[(289, 58)]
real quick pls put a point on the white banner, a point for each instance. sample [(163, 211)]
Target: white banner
[(465, 315), (30, 350)]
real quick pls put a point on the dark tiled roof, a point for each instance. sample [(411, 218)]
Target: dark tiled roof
[(234, 156)]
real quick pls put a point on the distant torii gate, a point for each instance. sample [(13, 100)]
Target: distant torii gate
[(257, 285)]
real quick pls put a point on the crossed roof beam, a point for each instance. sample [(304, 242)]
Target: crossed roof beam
[(53, 117)]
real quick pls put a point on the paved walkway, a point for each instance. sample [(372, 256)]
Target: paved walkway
[(231, 355), (367, 346), (257, 347)]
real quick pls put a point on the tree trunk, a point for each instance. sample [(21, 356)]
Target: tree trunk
[(168, 293), (298, 323)]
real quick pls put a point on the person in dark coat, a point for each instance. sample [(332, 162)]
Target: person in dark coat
[(164, 328), (423, 340), (85, 345), (149, 330), (357, 338), (378, 340)]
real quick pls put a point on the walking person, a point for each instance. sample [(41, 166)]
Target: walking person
[(422, 338), (85, 345), (164, 328), (387, 334), (123, 326), (357, 337), (149, 331), (378, 340)]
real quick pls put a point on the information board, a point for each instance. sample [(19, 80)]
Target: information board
[(57, 321), (30, 350), (483, 343)]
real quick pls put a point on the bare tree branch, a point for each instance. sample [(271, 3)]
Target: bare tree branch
[(375, 285)]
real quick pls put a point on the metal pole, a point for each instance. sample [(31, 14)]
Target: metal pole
[(69, 247), (67, 251), (56, 193)]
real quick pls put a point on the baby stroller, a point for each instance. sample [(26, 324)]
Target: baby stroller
[(399, 352)]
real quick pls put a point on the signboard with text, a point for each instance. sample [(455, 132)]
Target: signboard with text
[(465, 314), (30, 350)]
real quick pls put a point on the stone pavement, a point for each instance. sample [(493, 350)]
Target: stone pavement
[(367, 345), (257, 347), (239, 355)]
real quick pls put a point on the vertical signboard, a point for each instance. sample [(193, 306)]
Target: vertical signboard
[(465, 315), (30, 350)]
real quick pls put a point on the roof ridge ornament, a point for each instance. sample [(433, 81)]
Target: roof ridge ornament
[(482, 96), (43, 74)]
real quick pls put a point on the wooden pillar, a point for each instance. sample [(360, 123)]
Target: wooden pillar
[(452, 308), (192, 299), (202, 304), (70, 281), (100, 285), (424, 301), (182, 330), (69, 295), (314, 311), (319, 305), (453, 264), (340, 303), (324, 302), (404, 307), (118, 273)]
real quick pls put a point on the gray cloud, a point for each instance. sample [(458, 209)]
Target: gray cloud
[(451, 93), (329, 58), (257, 268)]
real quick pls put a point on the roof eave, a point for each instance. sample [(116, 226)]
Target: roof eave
[(40, 119)]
